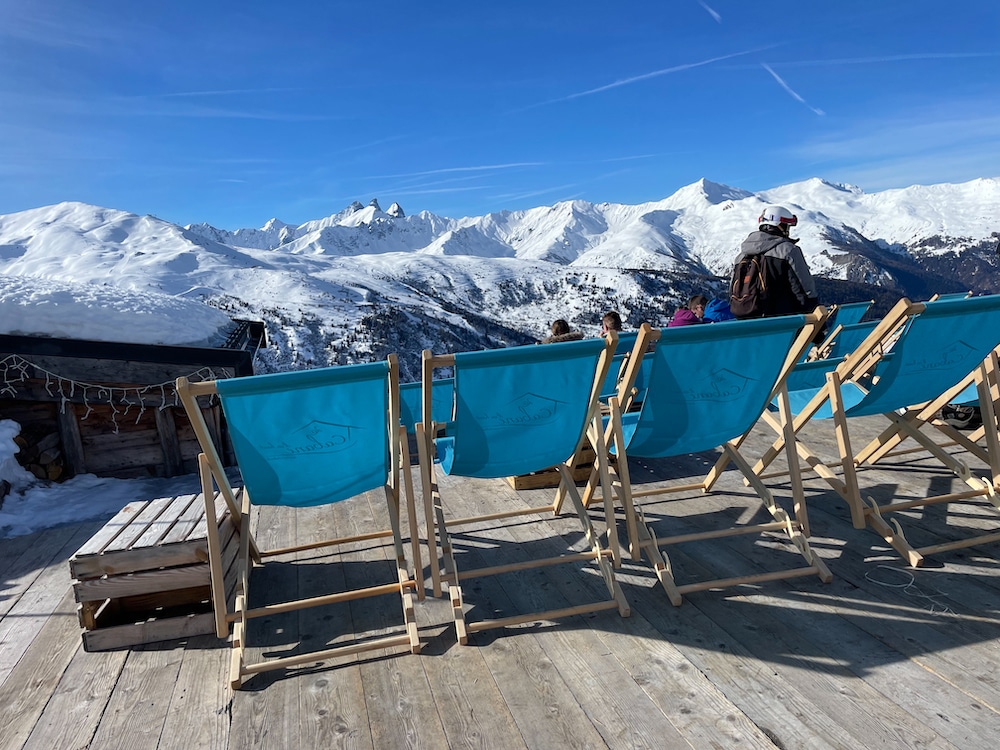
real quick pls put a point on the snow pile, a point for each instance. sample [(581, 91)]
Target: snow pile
[(30, 306), (10, 470), (34, 505)]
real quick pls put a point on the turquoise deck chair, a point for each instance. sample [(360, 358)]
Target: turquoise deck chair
[(740, 367), (918, 353), (841, 317), (516, 411), (978, 389), (305, 439), (411, 402), (851, 313)]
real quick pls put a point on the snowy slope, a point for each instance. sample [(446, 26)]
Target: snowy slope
[(362, 282)]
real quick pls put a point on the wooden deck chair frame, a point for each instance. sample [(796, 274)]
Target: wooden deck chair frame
[(238, 503), (842, 315), (643, 540), (982, 381), (857, 369), (443, 567)]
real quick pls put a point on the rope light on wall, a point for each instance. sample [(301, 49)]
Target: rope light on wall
[(15, 370)]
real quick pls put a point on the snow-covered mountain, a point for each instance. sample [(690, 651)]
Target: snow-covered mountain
[(362, 282)]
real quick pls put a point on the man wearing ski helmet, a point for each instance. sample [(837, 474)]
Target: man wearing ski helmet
[(790, 286)]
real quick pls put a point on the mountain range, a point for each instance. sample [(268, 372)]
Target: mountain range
[(363, 282)]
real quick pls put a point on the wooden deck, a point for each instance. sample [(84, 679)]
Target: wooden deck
[(882, 657)]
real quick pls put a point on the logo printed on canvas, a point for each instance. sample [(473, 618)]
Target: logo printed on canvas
[(953, 355), (721, 385), (528, 410), (315, 438)]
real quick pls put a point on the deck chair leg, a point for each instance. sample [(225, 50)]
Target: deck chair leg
[(451, 576), (959, 468), (895, 537), (237, 659), (606, 568), (715, 472), (240, 623), (216, 573), (625, 484), (411, 514), (846, 454), (791, 528), (601, 466), (660, 562), (989, 406), (403, 576), (590, 489), (794, 472), (573, 462), (429, 491)]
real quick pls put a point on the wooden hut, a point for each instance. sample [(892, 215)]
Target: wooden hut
[(110, 409)]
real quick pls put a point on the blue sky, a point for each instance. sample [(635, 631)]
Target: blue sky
[(236, 112)]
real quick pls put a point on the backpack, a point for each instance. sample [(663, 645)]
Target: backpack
[(748, 290)]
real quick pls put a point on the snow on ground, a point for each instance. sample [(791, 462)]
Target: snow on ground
[(33, 505)]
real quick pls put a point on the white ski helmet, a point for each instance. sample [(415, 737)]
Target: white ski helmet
[(775, 216)]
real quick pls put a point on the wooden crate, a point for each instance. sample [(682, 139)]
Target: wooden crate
[(550, 477), (144, 576)]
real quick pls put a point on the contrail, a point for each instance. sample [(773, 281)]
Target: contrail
[(788, 88), (654, 74)]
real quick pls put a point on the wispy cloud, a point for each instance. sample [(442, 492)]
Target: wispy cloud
[(153, 106), (636, 157), (653, 74), (221, 92), (433, 191), (911, 133), (710, 11), (889, 59), (536, 193), (789, 89), (926, 146), (447, 170)]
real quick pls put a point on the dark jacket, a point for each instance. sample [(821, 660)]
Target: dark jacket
[(790, 286)]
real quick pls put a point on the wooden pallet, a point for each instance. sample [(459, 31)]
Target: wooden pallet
[(144, 576), (550, 477)]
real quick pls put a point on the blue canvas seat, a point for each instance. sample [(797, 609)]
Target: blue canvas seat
[(841, 316), (411, 402), (305, 439), (515, 411), (918, 354), (740, 367)]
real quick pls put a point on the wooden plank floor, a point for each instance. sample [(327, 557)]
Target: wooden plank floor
[(883, 657)]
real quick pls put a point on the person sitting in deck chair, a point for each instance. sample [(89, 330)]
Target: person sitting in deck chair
[(611, 321), (691, 315), (562, 332), (718, 310)]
